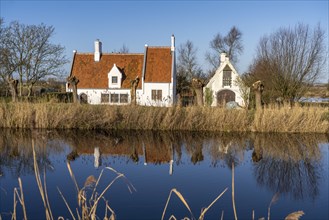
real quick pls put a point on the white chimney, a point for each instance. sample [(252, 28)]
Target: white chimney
[(223, 57), (98, 51), (172, 43)]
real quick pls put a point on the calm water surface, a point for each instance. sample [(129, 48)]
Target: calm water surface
[(293, 169)]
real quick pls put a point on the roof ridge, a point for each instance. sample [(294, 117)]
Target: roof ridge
[(158, 46), (110, 53), (122, 53)]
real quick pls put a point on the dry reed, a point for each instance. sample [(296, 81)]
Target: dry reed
[(233, 199), (42, 188), (182, 199), (88, 207), (20, 196), (72, 116), (294, 215)]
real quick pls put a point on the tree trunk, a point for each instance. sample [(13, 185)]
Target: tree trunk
[(29, 90), (13, 88), (73, 81), (133, 87), (197, 85), (258, 89)]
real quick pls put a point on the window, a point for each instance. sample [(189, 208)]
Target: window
[(104, 98), (114, 79), (157, 95), (123, 98), (227, 78), (114, 98)]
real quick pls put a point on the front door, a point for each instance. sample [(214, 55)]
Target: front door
[(225, 96)]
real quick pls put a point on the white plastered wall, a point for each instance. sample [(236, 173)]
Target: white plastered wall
[(94, 95), (146, 97), (216, 85)]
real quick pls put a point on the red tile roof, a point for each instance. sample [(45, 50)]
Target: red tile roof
[(158, 65), (93, 74)]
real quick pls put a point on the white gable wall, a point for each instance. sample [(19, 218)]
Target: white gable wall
[(216, 84)]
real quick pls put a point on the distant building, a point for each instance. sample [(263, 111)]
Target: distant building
[(223, 84), (105, 78)]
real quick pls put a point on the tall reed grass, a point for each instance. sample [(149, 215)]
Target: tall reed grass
[(70, 116)]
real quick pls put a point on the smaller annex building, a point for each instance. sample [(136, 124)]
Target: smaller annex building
[(223, 84), (107, 78)]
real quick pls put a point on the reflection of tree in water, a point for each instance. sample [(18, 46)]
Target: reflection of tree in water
[(289, 163), (300, 179), (16, 153), (194, 144)]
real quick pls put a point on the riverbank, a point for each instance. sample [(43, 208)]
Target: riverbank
[(71, 116)]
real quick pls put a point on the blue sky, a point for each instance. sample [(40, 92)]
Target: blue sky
[(136, 23)]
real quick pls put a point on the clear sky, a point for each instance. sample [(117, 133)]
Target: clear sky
[(136, 23)]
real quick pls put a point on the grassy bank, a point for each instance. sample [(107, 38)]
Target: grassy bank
[(70, 116)]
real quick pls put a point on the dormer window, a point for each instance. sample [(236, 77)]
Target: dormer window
[(114, 80), (115, 77)]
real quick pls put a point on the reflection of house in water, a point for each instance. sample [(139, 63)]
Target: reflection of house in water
[(97, 156), (153, 148)]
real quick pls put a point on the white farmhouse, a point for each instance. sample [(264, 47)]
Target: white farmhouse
[(223, 84), (105, 78)]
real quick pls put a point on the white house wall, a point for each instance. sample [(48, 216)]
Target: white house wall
[(146, 97), (94, 95)]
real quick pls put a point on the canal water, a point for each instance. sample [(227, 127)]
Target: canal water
[(150, 174)]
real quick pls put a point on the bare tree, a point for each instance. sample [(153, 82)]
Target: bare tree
[(73, 81), (187, 66), (258, 88), (32, 55), (231, 44), (133, 87), (7, 67), (123, 49), (197, 85), (289, 60)]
